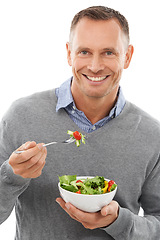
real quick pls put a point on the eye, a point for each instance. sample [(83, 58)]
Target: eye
[(109, 53), (84, 52)]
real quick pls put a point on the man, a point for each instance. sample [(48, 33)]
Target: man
[(123, 143)]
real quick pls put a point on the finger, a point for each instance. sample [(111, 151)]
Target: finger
[(38, 164), (62, 203), (79, 215), (38, 172), (34, 174), (27, 145), (27, 154), (37, 168), (32, 161), (87, 219)]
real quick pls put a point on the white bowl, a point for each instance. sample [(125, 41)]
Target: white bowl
[(87, 203)]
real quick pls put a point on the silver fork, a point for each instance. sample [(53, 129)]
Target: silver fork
[(68, 141)]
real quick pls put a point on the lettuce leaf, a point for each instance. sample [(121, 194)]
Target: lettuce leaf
[(70, 188), (67, 179)]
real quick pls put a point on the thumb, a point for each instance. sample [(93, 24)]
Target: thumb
[(29, 145), (105, 210), (111, 208)]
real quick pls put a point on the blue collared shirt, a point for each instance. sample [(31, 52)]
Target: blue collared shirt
[(65, 100)]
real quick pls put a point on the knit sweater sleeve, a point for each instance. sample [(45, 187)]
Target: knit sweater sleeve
[(130, 226), (11, 185)]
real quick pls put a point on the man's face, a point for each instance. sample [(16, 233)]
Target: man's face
[(98, 53)]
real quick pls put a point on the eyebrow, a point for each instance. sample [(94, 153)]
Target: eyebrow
[(82, 49), (104, 49), (110, 49)]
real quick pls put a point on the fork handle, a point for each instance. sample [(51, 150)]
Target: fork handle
[(47, 144), (18, 152), (44, 145)]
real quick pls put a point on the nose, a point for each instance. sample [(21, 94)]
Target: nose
[(96, 64)]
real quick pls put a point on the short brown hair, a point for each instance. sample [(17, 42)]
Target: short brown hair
[(101, 13)]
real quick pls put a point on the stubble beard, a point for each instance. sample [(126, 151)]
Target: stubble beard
[(111, 87)]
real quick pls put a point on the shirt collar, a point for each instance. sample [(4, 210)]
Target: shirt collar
[(65, 98), (120, 102), (64, 95)]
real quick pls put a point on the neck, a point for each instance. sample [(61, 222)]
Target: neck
[(95, 109)]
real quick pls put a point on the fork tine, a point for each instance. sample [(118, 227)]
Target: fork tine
[(70, 140)]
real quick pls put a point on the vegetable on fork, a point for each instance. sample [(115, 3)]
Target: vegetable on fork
[(78, 136)]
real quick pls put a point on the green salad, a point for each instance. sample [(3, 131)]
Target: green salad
[(95, 185), (79, 137)]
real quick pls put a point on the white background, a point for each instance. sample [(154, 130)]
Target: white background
[(33, 34)]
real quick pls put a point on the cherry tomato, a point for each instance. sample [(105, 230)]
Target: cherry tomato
[(79, 181), (77, 135), (110, 183), (79, 192)]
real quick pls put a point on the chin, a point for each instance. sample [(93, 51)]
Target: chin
[(95, 94)]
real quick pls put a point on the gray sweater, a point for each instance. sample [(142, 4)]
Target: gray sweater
[(126, 149)]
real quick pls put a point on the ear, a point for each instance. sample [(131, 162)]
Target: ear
[(68, 48), (128, 56)]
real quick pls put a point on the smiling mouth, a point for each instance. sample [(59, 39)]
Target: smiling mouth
[(96, 79)]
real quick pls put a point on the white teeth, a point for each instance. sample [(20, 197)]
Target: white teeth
[(96, 78)]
